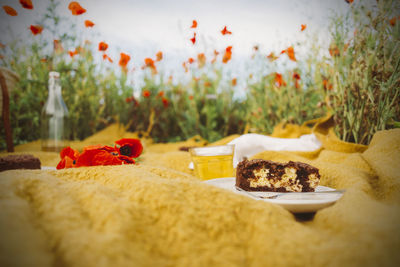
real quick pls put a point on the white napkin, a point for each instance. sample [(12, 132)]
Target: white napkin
[(248, 145)]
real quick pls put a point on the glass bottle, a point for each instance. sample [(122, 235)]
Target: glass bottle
[(54, 117)]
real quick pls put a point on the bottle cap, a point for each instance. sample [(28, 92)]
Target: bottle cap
[(54, 74)]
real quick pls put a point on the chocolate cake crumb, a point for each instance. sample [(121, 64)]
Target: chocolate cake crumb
[(14, 162)]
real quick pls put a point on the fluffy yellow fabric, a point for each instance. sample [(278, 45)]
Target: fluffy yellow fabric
[(158, 214)]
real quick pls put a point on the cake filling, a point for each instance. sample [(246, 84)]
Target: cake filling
[(313, 180), (287, 180)]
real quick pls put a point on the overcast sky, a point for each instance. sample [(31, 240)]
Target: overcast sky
[(143, 27)]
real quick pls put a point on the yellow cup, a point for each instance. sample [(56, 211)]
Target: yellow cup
[(213, 161)]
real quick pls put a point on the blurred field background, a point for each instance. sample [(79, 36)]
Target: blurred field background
[(356, 79)]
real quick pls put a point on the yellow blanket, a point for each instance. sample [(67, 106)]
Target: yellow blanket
[(157, 214)]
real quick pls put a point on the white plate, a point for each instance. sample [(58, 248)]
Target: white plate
[(48, 168), (296, 203)]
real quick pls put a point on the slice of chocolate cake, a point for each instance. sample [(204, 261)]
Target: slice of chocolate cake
[(14, 162), (266, 175)]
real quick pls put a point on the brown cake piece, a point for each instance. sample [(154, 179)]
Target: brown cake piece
[(266, 175), (14, 162)]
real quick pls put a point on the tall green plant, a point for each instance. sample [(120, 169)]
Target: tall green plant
[(272, 101), (366, 68)]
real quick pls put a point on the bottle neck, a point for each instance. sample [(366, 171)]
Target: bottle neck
[(55, 102), (54, 87)]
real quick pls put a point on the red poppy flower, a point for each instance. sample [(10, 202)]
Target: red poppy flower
[(68, 158), (159, 56), (165, 102), (234, 82), (36, 29), (161, 94), (201, 59), (106, 57), (392, 21), (129, 147), (194, 24), (95, 157), (103, 46), (88, 23), (272, 57), (296, 76), (72, 53), (193, 39), (190, 60), (290, 53), (349, 1), (26, 4), (104, 158), (100, 155), (191, 97), (130, 99), (10, 11), (227, 55), (76, 51), (334, 50), (76, 8), (279, 80), (225, 31), (146, 93), (126, 160), (124, 60), (303, 27), (101, 147), (327, 85), (149, 62)]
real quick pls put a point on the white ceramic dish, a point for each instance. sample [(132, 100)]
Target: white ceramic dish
[(294, 202), (48, 168)]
